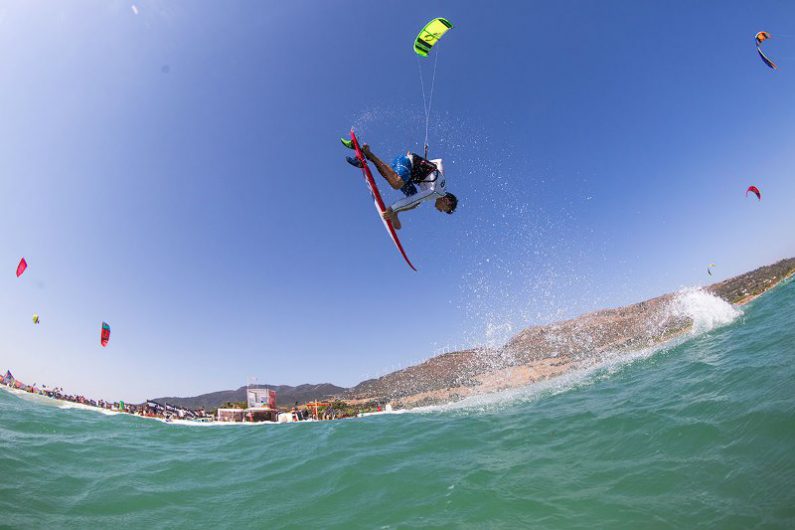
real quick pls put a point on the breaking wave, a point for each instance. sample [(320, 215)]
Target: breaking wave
[(706, 310)]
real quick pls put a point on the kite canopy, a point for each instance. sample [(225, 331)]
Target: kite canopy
[(761, 37), (21, 267), (104, 336), (430, 35), (755, 191), (35, 318), (709, 268)]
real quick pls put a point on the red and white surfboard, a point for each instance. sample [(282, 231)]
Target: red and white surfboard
[(379, 203)]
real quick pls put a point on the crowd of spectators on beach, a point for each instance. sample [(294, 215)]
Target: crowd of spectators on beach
[(311, 411), (149, 409)]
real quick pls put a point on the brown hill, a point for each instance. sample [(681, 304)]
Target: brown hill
[(541, 352)]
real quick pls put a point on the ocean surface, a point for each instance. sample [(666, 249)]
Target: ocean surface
[(700, 434)]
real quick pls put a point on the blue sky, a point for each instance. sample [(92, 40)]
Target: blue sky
[(178, 174)]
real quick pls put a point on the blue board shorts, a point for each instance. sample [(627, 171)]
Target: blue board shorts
[(402, 166)]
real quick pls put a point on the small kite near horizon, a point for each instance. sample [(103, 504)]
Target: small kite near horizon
[(35, 318), (104, 336), (709, 268), (21, 267), (755, 191)]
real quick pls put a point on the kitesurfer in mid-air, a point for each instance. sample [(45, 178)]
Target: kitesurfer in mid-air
[(418, 179)]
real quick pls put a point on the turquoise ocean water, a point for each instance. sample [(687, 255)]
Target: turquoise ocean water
[(696, 435)]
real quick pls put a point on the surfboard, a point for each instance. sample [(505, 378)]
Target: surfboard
[(379, 202)]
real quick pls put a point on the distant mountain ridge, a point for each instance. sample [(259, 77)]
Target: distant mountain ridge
[(286, 395)]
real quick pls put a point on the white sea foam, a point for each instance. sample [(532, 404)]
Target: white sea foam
[(706, 310)]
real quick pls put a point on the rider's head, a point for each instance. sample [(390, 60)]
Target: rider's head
[(447, 203)]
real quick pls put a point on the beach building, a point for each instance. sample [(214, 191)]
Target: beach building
[(260, 406), (261, 397)]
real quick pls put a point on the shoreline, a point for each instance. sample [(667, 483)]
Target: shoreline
[(43, 399), (535, 354), (751, 297), (65, 405)]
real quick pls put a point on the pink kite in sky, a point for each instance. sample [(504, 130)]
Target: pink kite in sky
[(21, 267)]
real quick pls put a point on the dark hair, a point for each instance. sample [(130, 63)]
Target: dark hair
[(453, 202)]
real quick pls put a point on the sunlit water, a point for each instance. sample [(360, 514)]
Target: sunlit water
[(696, 435)]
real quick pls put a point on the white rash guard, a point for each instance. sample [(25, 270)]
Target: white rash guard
[(432, 188)]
